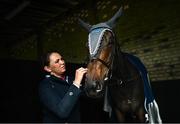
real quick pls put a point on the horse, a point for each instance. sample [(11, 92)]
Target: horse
[(121, 78)]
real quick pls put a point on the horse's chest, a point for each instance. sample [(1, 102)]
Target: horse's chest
[(126, 98), (128, 105)]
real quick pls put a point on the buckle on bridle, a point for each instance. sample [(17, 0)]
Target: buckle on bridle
[(106, 78)]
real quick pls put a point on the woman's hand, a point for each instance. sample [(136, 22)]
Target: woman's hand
[(79, 75)]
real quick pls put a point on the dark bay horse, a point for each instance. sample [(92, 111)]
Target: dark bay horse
[(111, 73)]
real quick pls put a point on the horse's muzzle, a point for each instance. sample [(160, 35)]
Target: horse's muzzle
[(93, 88)]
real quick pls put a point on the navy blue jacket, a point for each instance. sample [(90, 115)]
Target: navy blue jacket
[(59, 99)]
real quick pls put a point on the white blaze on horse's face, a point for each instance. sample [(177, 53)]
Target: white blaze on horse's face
[(100, 49)]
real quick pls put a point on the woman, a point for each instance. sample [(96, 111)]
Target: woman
[(58, 92)]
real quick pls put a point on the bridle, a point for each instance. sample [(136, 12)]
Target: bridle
[(100, 60), (109, 75), (108, 65)]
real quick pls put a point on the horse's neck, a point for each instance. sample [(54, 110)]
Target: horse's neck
[(119, 64)]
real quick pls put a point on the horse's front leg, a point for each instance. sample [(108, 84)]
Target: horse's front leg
[(120, 116), (141, 114)]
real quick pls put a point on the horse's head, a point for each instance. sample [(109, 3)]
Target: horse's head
[(101, 46), (100, 60)]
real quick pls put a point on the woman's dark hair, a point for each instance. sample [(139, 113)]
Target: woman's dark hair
[(45, 59)]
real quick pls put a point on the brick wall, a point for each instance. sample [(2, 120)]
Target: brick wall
[(153, 34), (149, 29)]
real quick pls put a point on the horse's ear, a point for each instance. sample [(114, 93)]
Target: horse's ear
[(85, 25), (114, 19)]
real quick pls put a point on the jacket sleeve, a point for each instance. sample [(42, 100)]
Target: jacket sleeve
[(61, 106)]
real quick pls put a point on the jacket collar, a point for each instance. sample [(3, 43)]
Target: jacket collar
[(59, 80)]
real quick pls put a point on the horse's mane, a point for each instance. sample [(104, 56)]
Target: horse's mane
[(119, 66)]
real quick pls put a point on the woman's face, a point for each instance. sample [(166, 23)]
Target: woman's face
[(56, 64)]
